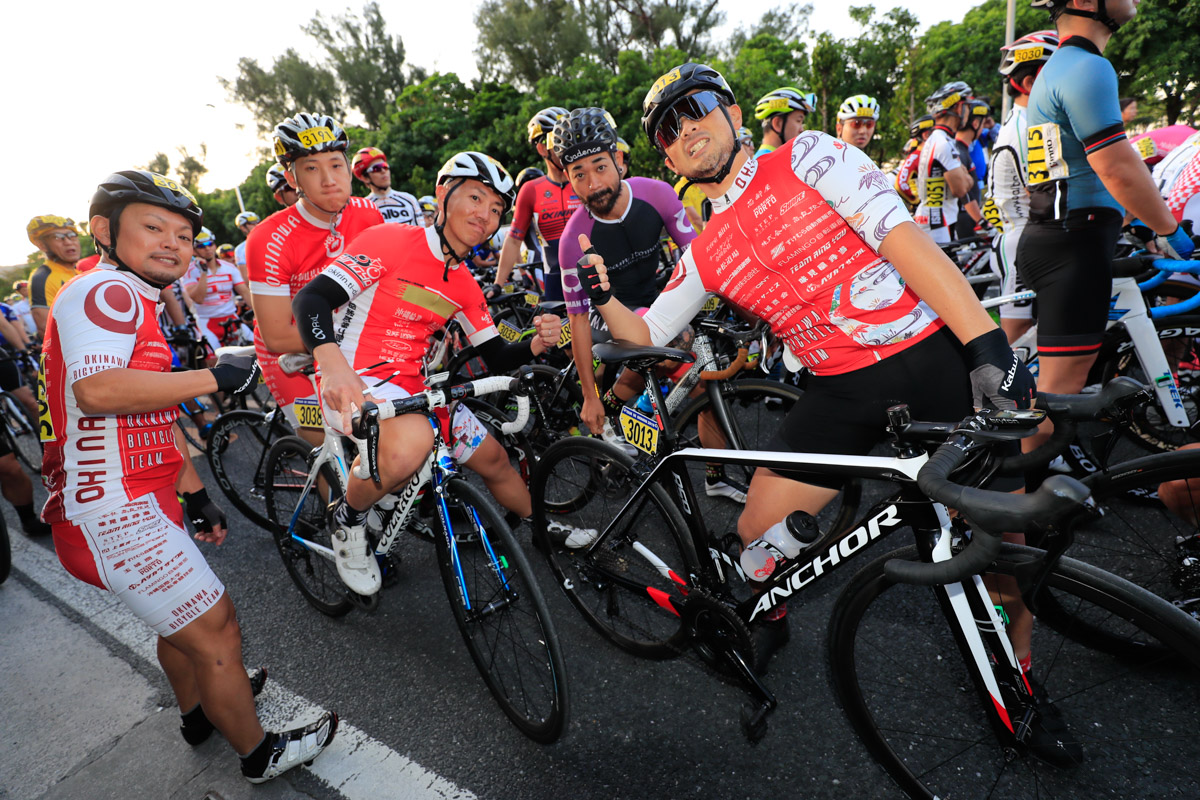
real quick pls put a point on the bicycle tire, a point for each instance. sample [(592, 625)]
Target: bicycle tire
[(212, 409), (555, 412), (314, 574), (237, 455), (5, 551), (895, 660), (501, 613), (746, 397), (1135, 536), (23, 431), (610, 583), (1150, 430)]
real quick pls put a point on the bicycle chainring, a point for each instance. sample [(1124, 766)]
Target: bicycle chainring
[(715, 629)]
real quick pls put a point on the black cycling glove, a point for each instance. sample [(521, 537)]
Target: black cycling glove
[(591, 279), (236, 372), (999, 378), (202, 512), (492, 291)]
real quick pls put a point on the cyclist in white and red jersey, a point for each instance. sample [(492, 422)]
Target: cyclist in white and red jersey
[(370, 166), (543, 207), (245, 222), (813, 240), (906, 175), (405, 284), (943, 180), (212, 285), (114, 459), (293, 245)]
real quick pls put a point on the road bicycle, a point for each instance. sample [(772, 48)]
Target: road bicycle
[(497, 604), (1137, 343), (918, 652), (21, 430), (238, 443)]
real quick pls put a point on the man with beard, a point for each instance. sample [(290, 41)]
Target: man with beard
[(625, 220)]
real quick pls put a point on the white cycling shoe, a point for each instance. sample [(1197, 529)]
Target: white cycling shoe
[(292, 748), (356, 565), (570, 536), (725, 489)]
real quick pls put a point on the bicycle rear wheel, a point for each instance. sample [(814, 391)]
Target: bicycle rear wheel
[(900, 675), (23, 432), (615, 583), (298, 515), (501, 612), (237, 455)]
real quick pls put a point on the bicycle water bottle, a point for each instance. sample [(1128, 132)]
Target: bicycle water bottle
[(643, 403), (782, 541)]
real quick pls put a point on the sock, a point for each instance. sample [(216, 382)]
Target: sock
[(255, 762), (26, 512), (1026, 662), (348, 516), (714, 473), (194, 726), (612, 403)]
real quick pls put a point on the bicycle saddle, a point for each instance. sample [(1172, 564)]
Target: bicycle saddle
[(620, 352)]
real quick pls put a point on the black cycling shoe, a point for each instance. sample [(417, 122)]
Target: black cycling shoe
[(194, 725), (1049, 738), (769, 636), (35, 527)]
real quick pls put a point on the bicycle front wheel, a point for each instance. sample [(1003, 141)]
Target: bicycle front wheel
[(902, 679), (621, 583), (237, 455), (501, 612), (301, 523)]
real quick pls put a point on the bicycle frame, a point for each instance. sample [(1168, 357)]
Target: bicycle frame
[(1127, 309), (969, 608), (436, 469)]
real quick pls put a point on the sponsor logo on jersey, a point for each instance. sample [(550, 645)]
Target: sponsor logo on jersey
[(112, 306)]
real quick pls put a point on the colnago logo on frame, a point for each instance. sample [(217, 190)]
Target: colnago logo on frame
[(838, 552)]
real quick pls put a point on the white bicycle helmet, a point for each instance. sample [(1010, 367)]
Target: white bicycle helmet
[(483, 168), (860, 106)]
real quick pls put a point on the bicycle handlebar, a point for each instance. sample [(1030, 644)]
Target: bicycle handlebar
[(990, 513), (366, 423)]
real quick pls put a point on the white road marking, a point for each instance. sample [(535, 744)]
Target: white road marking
[(358, 766)]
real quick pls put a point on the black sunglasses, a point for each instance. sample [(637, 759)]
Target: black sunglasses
[(693, 106)]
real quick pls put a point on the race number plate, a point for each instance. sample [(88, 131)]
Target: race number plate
[(308, 413), (508, 332), (935, 192), (1045, 154), (711, 303), (564, 336), (532, 299), (640, 431)]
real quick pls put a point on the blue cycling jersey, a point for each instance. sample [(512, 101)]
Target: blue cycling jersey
[(1073, 112)]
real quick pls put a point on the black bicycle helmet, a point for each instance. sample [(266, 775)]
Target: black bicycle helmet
[(583, 132), (920, 124), (674, 85), (140, 186), (308, 134), (525, 176)]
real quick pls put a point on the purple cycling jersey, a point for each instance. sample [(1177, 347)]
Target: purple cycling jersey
[(629, 245)]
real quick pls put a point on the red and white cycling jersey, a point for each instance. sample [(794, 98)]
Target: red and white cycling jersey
[(286, 251), (1184, 197), (794, 241), (398, 300), (937, 207), (218, 300), (104, 319)]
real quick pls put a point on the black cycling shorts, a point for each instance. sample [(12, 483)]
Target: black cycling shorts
[(10, 376), (847, 414), (1069, 264)]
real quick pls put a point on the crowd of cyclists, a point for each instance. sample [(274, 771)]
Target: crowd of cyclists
[(843, 261)]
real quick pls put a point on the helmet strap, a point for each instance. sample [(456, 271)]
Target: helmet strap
[(723, 172), (452, 258), (110, 250), (1100, 15)]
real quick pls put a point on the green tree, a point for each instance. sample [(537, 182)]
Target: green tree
[(368, 62), (190, 168), (522, 40), (160, 164), (1157, 57), (290, 85)]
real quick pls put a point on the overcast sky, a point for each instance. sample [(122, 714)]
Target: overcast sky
[(100, 87)]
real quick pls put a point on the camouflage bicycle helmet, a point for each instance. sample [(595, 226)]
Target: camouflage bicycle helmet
[(43, 224)]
